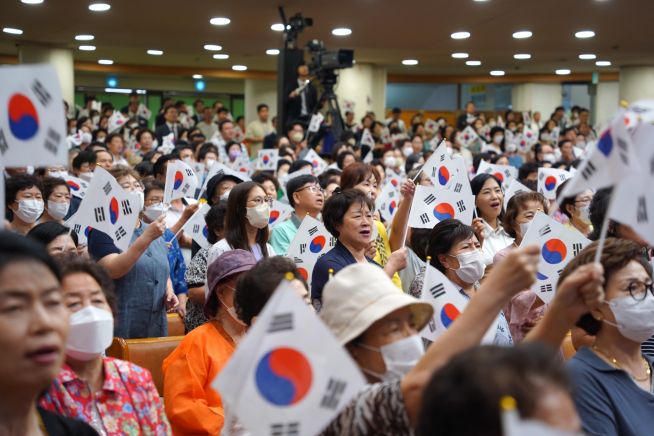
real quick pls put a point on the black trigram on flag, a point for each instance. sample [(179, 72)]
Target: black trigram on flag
[(288, 429), (99, 214), (457, 187), (185, 188), (576, 248), (622, 151), (541, 176), (641, 212), (297, 260), (77, 228), (546, 288), (562, 177), (461, 205), (332, 241), (430, 199), (196, 229), (120, 233), (335, 389), (41, 93), (281, 322), (3, 142), (651, 161), (544, 230), (437, 291), (107, 188), (313, 230), (52, 140), (303, 248), (588, 171), (442, 158), (127, 208), (424, 218), (433, 172), (189, 172), (432, 325)]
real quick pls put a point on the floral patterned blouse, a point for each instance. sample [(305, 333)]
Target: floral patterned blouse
[(127, 404)]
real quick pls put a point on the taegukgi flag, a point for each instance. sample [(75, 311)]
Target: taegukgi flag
[(504, 173), (289, 376), (388, 201), (180, 181), (77, 186), (108, 208), (267, 159), (514, 188), (317, 163), (432, 205), (33, 123), (549, 180), (279, 212), (558, 246), (311, 241), (196, 227)]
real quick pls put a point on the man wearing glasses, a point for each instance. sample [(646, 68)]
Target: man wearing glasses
[(306, 196)]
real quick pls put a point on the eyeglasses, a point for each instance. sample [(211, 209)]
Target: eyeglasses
[(638, 290), (312, 188), (257, 201), (132, 187)]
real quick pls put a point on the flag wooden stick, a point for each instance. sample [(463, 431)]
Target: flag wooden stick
[(603, 231), (182, 228), (417, 175)]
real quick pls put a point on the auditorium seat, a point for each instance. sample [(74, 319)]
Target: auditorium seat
[(567, 348), (175, 325), (148, 353)]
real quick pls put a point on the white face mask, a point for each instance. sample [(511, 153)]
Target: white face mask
[(399, 357), (584, 214), (86, 138), (188, 161), (155, 211), (258, 216), (471, 266), (634, 319), (58, 210), (91, 332), (296, 136), (407, 151), (209, 163), (390, 162), (549, 157), (497, 139), (58, 174), (87, 176), (232, 313), (524, 227), (29, 210), (510, 147)]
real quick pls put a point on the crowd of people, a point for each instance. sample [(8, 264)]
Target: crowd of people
[(63, 299)]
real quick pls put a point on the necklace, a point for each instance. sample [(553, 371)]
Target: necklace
[(617, 364)]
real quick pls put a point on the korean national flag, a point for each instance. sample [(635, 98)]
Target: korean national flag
[(289, 376), (180, 181), (311, 241), (367, 139), (109, 208), (316, 121), (77, 186), (514, 188), (432, 205), (33, 123), (468, 137), (219, 168), (267, 159), (549, 180), (279, 212), (318, 164), (388, 201), (504, 173), (196, 227), (558, 246)]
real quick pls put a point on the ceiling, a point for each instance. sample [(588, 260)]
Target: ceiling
[(383, 32)]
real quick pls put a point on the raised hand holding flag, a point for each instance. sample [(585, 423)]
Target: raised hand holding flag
[(432, 205), (181, 181)]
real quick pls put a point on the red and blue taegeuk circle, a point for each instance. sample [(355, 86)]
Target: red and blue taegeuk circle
[(443, 175), (449, 313), (605, 143), (394, 182), (72, 185), (540, 276), (554, 251), (205, 231), (391, 206), (266, 159), (274, 215), (283, 376), (499, 176), (23, 118), (179, 179), (443, 211), (113, 210), (317, 244), (550, 183)]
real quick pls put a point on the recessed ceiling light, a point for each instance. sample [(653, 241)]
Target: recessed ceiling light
[(582, 34), (155, 52), (12, 30), (32, 2), (272, 52), (84, 37), (220, 21), (522, 56), (277, 27), (473, 63), (197, 76), (522, 34), (239, 67), (99, 7), (221, 56), (497, 73), (460, 35), (213, 47), (410, 62), (603, 63), (480, 1), (562, 72), (587, 56), (106, 62), (460, 55), (87, 47), (341, 31)]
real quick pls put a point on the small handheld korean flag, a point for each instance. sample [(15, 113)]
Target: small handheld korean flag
[(318, 164), (530, 136), (558, 246), (116, 121), (367, 139), (167, 144), (33, 123), (77, 186), (316, 121), (504, 173), (108, 208), (267, 159), (180, 181), (432, 205), (549, 179), (311, 241), (219, 168), (242, 166), (447, 301), (388, 201), (279, 212), (197, 228), (431, 125), (468, 137), (289, 376), (514, 188)]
